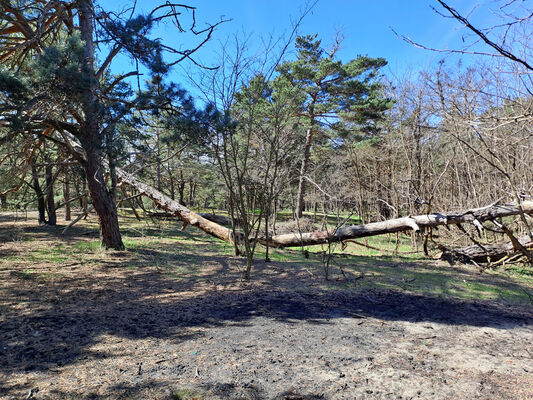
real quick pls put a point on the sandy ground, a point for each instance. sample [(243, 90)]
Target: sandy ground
[(104, 330)]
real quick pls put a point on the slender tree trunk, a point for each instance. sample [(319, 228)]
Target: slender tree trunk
[(84, 201), (50, 202), (41, 206), (171, 184), (103, 200), (300, 205), (3, 201), (192, 189), (66, 197), (158, 155), (171, 179), (181, 189)]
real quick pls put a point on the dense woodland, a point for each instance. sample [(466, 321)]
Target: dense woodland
[(277, 140)]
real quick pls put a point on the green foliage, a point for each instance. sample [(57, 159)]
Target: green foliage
[(346, 97), (13, 86), (134, 35), (57, 70)]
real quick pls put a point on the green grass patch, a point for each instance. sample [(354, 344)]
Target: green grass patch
[(186, 394), (430, 278), (391, 265), (522, 271), (86, 246), (55, 255)]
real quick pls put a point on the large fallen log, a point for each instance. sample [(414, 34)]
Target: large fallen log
[(475, 216), (484, 253)]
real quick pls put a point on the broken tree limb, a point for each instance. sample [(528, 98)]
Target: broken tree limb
[(517, 245), (333, 235), (78, 218), (489, 252), (173, 207)]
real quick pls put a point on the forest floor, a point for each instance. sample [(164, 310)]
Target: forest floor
[(170, 318)]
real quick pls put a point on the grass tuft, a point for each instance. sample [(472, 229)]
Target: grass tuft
[(186, 394)]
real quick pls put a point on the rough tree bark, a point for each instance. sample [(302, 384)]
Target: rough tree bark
[(399, 224), (103, 200), (166, 203), (41, 206), (489, 252), (66, 197), (50, 201)]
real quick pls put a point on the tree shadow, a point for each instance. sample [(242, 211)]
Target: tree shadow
[(49, 324), (63, 318), (226, 391), (439, 276), (48, 232)]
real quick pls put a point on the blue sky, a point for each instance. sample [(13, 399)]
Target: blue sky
[(365, 24)]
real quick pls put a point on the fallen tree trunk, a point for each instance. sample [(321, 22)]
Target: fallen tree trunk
[(173, 207), (399, 224), (219, 219), (322, 237), (487, 252)]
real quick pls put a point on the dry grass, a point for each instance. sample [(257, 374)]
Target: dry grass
[(77, 321)]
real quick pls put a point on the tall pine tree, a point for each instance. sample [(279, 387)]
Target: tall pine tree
[(340, 96), (56, 84)]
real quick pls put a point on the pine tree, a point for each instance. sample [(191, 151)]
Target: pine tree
[(52, 86), (340, 96)]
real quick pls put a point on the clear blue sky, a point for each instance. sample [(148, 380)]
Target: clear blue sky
[(365, 24)]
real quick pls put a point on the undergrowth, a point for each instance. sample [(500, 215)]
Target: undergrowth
[(183, 255)]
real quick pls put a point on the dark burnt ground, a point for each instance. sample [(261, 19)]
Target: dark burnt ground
[(120, 327)]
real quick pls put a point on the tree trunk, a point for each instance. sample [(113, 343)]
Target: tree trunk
[(192, 190), (91, 140), (172, 185), (41, 206), (181, 189), (398, 225), (173, 207), (66, 197), (103, 202), (3, 201), (158, 159), (303, 171), (84, 201), (50, 202)]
